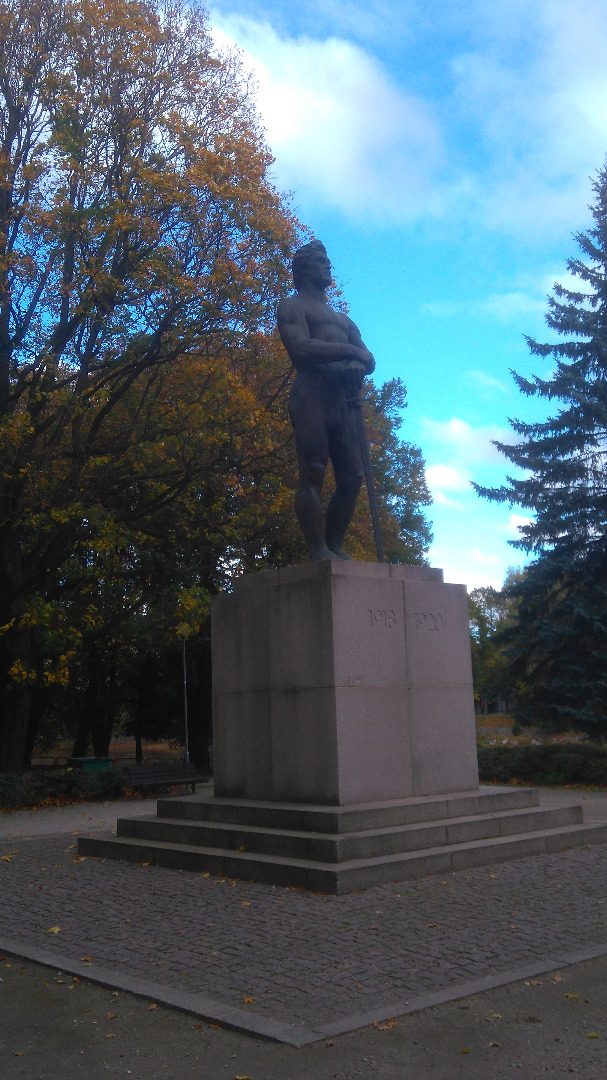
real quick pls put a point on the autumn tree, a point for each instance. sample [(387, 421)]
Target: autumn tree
[(142, 251), (559, 644), (492, 615), (147, 454)]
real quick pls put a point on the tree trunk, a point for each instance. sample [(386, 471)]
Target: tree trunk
[(81, 742), (39, 702), (15, 701)]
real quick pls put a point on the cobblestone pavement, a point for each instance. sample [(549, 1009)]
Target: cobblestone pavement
[(300, 958)]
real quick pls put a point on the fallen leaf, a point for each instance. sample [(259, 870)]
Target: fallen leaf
[(592, 1035), (248, 1001), (431, 925), (511, 926), (18, 1053), (358, 986), (86, 959), (330, 1042), (79, 858), (533, 982), (557, 978), (492, 875), (465, 1050), (71, 847), (110, 1016), (494, 1044), (245, 903), (241, 848), (239, 1076), (144, 864), (216, 1027), (109, 1035), (6, 858), (152, 1007), (387, 1024), (573, 997), (53, 930), (534, 1020)]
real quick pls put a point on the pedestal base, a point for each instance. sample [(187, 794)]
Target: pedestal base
[(342, 682), (340, 849)]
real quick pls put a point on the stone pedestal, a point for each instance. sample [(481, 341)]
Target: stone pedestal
[(345, 752), (340, 683)]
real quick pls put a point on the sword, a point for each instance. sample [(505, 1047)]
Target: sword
[(356, 404)]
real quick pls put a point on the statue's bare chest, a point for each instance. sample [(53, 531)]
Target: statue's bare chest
[(325, 324)]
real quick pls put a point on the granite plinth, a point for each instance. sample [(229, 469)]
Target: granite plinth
[(341, 682), (337, 849)]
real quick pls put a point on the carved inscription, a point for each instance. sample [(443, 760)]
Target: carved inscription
[(382, 618), (428, 621)]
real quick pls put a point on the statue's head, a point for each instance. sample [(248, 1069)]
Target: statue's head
[(303, 259)]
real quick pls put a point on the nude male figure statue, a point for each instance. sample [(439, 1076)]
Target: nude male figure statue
[(331, 362)]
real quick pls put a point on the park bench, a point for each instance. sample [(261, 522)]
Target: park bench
[(164, 775)]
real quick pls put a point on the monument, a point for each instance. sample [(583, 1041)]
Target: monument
[(340, 682), (344, 737), (331, 361)]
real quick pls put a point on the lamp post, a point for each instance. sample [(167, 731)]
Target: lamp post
[(185, 701)]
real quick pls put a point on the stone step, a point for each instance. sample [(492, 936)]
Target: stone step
[(338, 878), (350, 818), (345, 847)]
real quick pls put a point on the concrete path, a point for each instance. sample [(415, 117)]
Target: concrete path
[(80, 818), (294, 966)]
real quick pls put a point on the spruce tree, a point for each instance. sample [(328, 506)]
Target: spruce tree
[(558, 647)]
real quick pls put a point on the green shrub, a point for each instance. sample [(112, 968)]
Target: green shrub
[(11, 788), (61, 786), (556, 765)]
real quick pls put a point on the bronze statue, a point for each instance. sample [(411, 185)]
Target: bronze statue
[(331, 361)]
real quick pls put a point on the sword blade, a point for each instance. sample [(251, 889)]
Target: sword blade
[(357, 405)]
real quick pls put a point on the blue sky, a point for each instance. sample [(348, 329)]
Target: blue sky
[(443, 152)]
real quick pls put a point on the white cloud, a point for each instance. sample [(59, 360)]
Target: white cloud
[(504, 128), (509, 306), (486, 383), (534, 89), (367, 21), (339, 127), (445, 476), (440, 499), (468, 446), (467, 568), (480, 556)]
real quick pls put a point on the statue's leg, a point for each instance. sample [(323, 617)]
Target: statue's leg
[(348, 468), (306, 411)]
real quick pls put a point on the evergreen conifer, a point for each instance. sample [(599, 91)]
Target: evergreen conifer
[(558, 647)]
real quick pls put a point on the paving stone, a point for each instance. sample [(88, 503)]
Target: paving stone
[(300, 955)]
